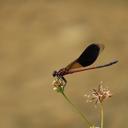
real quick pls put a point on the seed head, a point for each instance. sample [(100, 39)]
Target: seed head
[(99, 95), (58, 84)]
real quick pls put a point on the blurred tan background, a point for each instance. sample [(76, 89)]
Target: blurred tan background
[(39, 36)]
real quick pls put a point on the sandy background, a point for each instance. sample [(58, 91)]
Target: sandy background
[(39, 36)]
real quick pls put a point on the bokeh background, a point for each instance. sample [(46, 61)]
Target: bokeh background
[(39, 36)]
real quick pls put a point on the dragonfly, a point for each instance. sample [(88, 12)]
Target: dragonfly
[(87, 58)]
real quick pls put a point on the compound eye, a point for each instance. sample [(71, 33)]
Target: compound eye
[(54, 73)]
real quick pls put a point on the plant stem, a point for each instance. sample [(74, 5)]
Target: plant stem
[(81, 114), (101, 115)]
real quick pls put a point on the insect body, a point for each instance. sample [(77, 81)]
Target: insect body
[(87, 58)]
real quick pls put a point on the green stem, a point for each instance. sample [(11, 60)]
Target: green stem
[(81, 114), (101, 115)]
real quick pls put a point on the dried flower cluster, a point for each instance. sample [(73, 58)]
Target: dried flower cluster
[(59, 84), (99, 95)]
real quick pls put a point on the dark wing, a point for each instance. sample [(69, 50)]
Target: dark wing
[(88, 56)]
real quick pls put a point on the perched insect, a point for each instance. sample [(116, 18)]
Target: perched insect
[(87, 58)]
